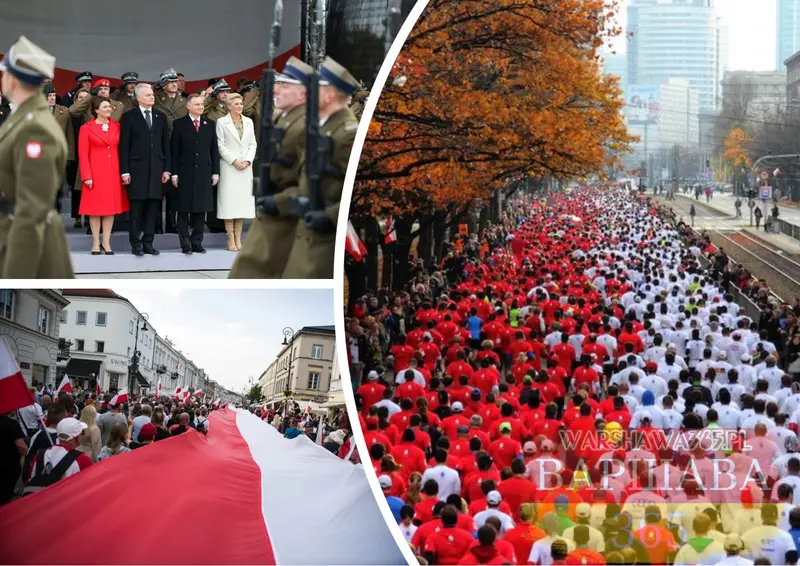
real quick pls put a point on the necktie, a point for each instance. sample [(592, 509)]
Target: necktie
[(196, 125), (148, 119)]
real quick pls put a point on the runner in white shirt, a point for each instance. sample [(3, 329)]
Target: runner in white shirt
[(733, 546), (768, 541)]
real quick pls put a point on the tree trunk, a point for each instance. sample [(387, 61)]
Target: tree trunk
[(372, 239), (425, 244), (402, 248), (439, 233)]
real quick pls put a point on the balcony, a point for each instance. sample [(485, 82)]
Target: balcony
[(64, 347), (174, 375), (161, 369)]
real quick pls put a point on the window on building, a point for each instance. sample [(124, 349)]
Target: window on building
[(100, 346), (62, 317), (7, 304), (43, 324), (79, 345), (80, 317), (313, 379), (100, 319), (130, 327), (316, 351)]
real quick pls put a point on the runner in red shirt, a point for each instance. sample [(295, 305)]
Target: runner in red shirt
[(371, 392), (505, 449), (450, 544), (408, 455), (517, 489), (410, 389), (402, 353)]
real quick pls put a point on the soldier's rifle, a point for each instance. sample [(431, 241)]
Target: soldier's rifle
[(271, 136)]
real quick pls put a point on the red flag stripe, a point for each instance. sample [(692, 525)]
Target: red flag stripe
[(14, 393)]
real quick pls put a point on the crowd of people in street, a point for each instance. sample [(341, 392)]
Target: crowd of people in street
[(60, 435), (568, 386)]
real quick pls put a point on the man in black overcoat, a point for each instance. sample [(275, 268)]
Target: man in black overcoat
[(144, 163), (195, 156)]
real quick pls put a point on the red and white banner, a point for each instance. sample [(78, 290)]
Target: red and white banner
[(14, 393), (353, 245), (199, 47), (198, 393), (65, 386), (158, 390), (120, 397), (254, 486)]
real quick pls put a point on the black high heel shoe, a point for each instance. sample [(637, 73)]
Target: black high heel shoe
[(105, 251), (96, 253)]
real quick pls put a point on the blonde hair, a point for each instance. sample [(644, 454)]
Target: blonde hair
[(116, 437), (231, 97), (89, 416)]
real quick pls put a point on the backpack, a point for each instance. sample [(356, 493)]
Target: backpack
[(45, 477)]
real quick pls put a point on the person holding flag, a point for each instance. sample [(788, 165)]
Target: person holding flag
[(14, 395)]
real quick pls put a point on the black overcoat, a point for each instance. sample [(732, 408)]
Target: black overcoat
[(195, 158), (144, 153)]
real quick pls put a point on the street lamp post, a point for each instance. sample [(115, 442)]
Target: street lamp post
[(288, 340), (133, 368)]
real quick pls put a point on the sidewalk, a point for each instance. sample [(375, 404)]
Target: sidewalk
[(781, 242), (725, 203)]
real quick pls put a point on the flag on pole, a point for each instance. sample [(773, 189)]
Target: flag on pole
[(216, 403), (320, 426), (158, 390), (353, 244), (391, 232), (65, 386), (198, 393), (119, 398), (14, 393), (97, 388)]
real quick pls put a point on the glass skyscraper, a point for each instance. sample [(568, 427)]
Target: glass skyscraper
[(788, 27), (678, 39)]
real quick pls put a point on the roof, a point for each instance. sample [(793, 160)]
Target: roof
[(320, 329), (95, 293)]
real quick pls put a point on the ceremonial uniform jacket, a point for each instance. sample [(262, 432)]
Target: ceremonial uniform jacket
[(269, 240), (33, 158), (312, 254)]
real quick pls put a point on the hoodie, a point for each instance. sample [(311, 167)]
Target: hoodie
[(483, 555), (700, 549)]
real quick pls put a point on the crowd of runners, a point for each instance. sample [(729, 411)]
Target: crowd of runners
[(576, 385)]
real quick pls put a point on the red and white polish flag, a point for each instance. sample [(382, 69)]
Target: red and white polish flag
[(253, 485), (158, 390), (198, 393), (14, 393), (120, 397), (65, 386), (97, 388), (353, 244), (391, 233)]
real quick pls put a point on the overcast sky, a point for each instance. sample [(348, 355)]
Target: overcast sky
[(231, 334), (752, 26)]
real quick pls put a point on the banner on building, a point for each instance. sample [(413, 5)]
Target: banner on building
[(642, 104)]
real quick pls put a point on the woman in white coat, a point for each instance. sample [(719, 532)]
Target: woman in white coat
[(237, 148)]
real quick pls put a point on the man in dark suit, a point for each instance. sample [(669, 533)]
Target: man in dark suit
[(144, 162), (195, 156)]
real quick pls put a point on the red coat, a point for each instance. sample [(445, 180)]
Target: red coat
[(99, 162)]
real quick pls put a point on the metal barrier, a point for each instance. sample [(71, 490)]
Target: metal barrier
[(787, 229)]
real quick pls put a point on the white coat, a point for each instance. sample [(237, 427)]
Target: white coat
[(235, 195)]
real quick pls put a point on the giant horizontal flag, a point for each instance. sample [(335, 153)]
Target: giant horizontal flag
[(261, 496)]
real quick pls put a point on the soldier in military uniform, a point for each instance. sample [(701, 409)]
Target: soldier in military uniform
[(215, 108), (359, 101), (270, 238), (170, 102), (312, 254), (33, 157), (84, 80), (83, 109), (61, 114), (125, 94)]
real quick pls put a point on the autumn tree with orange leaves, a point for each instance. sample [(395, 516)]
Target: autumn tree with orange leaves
[(737, 145), (494, 91)]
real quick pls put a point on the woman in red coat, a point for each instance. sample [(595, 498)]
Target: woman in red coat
[(103, 196)]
